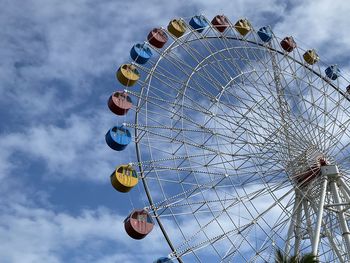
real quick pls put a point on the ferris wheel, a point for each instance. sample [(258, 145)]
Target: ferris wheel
[(242, 143)]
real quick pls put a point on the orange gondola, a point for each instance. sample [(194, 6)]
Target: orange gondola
[(124, 178), (138, 224)]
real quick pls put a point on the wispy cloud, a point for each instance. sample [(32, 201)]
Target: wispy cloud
[(32, 234)]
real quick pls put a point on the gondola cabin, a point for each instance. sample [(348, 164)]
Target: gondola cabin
[(348, 89), (138, 224), (140, 53), (243, 26), (177, 27), (311, 57), (124, 178), (163, 260), (157, 37), (118, 137), (265, 34), (128, 75), (119, 103), (332, 72), (198, 23), (288, 44), (220, 23)]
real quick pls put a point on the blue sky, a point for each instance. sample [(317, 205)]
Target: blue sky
[(58, 60)]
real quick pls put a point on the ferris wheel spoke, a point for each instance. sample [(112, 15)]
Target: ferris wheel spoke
[(165, 76), (200, 125), (207, 75), (292, 73), (336, 146), (218, 69), (188, 119), (295, 219), (192, 192), (193, 107), (230, 232), (268, 172), (284, 103), (278, 227), (212, 54), (241, 115), (262, 117), (209, 78), (313, 122), (254, 132)]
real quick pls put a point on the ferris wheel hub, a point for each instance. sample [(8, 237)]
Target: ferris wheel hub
[(307, 167)]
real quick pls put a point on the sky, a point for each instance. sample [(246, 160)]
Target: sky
[(57, 69)]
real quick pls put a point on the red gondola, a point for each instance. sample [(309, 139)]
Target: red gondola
[(119, 103), (138, 224), (220, 23), (157, 37), (288, 44)]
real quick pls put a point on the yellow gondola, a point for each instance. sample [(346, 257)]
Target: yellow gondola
[(311, 56), (243, 26), (177, 27), (124, 178), (128, 75)]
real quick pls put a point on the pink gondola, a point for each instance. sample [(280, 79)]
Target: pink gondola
[(138, 224), (288, 44), (119, 103), (157, 37), (220, 23)]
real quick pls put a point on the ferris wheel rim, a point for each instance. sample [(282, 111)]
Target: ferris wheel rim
[(139, 159)]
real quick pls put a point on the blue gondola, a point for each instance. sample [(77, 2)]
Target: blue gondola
[(332, 72), (163, 260), (265, 33), (140, 53), (348, 89), (199, 23), (118, 137)]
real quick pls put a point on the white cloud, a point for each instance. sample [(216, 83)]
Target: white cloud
[(31, 234), (75, 149), (322, 25)]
